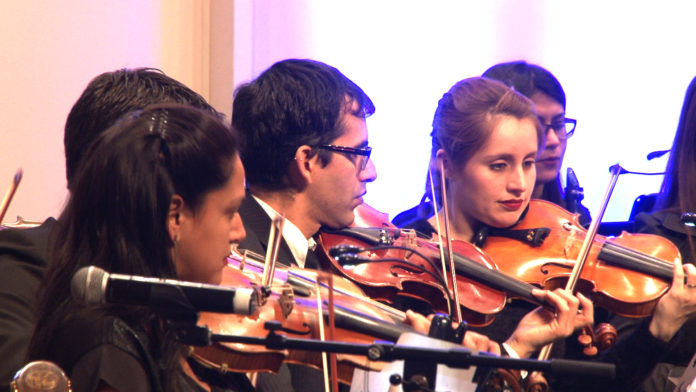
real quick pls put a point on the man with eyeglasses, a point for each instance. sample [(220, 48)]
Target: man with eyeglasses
[(305, 152), (306, 157)]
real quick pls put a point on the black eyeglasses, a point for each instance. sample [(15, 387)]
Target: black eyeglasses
[(363, 152), (564, 128)]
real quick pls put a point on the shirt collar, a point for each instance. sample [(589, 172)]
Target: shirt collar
[(297, 242)]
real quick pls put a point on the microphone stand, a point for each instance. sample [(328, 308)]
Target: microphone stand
[(386, 351)]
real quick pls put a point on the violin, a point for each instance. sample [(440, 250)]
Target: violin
[(626, 274), (398, 263), (293, 303)]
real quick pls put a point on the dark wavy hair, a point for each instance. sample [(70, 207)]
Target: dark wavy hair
[(678, 191), (293, 103), (527, 79), (116, 217), (111, 95)]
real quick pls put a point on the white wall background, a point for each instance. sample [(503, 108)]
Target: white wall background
[(624, 65), (49, 51)]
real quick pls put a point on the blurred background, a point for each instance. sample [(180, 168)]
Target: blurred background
[(624, 65)]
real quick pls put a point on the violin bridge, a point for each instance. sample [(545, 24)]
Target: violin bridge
[(410, 237)]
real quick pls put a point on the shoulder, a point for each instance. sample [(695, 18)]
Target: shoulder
[(23, 261), (256, 224), (93, 347), (29, 246)]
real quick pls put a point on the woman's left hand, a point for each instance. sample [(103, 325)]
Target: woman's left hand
[(678, 305)]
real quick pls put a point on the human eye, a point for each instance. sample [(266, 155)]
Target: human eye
[(498, 166), (529, 163)]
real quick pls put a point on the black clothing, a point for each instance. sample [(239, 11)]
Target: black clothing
[(257, 224), (94, 348), (668, 224), (23, 262)]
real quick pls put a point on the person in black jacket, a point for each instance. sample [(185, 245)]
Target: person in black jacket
[(157, 196), (677, 197), (24, 252)]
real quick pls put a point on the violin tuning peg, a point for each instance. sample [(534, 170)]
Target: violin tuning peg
[(606, 335)]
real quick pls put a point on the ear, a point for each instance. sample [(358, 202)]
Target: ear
[(442, 162), (303, 167), (176, 208)]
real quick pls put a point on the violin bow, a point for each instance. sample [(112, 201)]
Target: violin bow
[(10, 194), (615, 170), (327, 359), (450, 252), (439, 238), (274, 239)]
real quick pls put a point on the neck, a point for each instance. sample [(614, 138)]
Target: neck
[(460, 226), (293, 205)]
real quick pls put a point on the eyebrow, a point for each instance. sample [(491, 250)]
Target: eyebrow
[(558, 116), (507, 157), (362, 144)]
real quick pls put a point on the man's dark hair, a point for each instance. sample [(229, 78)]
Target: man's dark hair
[(113, 94), (291, 104)]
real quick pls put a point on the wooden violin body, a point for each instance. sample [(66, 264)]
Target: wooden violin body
[(625, 274), (297, 312)]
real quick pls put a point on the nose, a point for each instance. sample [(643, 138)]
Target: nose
[(237, 232), (368, 174), (517, 181), (552, 140)]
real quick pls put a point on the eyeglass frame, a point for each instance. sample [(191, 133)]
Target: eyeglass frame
[(565, 123), (362, 151)]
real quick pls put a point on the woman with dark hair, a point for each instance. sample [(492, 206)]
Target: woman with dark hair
[(157, 196), (677, 197)]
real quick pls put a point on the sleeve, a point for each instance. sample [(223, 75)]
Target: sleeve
[(21, 270), (112, 366), (635, 357)]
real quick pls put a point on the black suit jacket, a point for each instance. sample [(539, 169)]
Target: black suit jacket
[(23, 263), (257, 224)]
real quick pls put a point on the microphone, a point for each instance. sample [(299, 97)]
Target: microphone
[(573, 192), (689, 219), (93, 286), (656, 154)]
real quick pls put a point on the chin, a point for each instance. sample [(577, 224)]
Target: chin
[(345, 221)]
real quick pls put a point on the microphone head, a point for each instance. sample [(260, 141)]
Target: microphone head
[(343, 249), (87, 285), (689, 219)]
